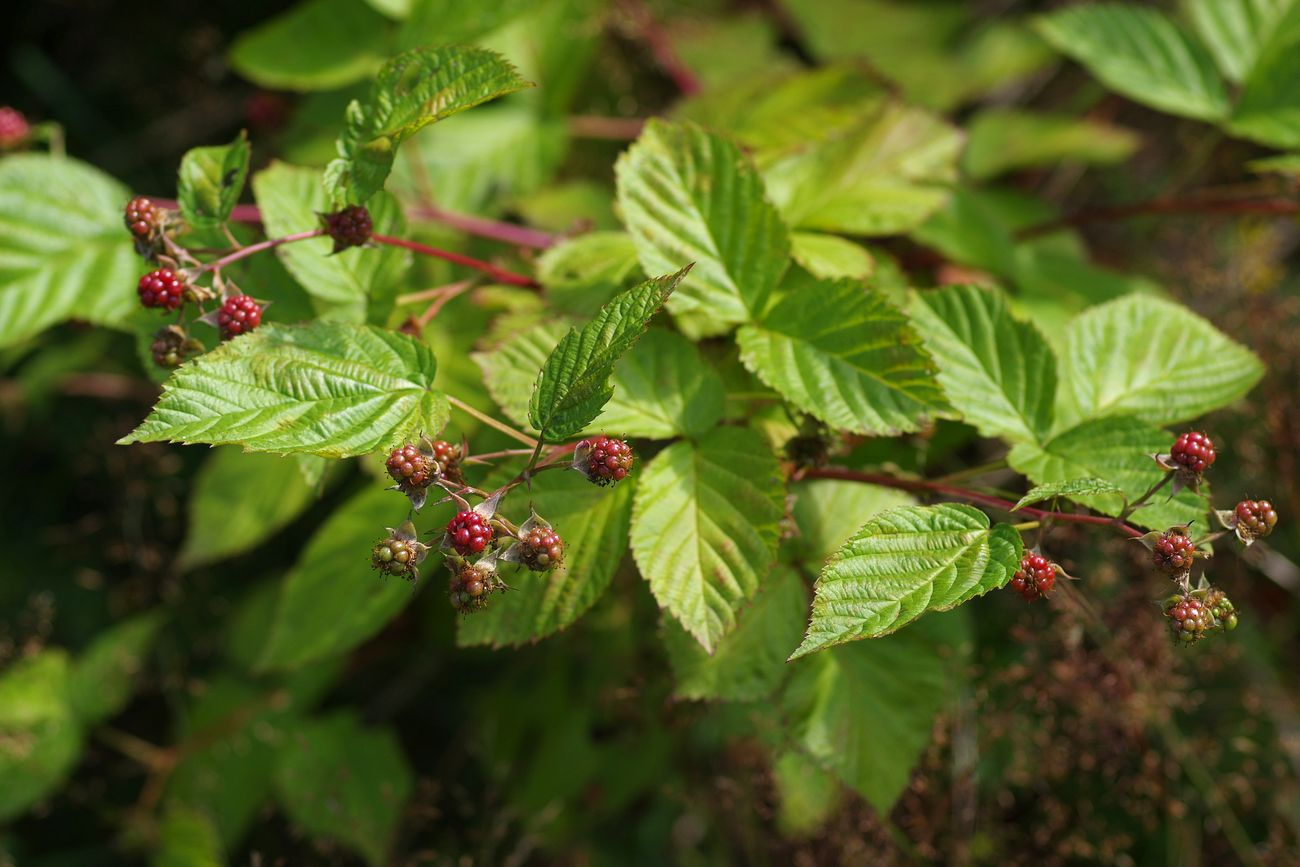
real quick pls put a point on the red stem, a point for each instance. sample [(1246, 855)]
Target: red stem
[(612, 128), (498, 274), (507, 233), (253, 249), (972, 496), (662, 47)]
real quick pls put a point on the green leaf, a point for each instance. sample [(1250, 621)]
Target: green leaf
[(316, 45), (63, 251), (1237, 32), (884, 175), (827, 512), (101, 679), (1141, 54), (807, 795), (1144, 356), (831, 257), (1268, 109), (332, 600), (845, 355), (211, 181), (40, 739), (510, 370), (290, 198), (326, 388), (691, 196), (1006, 139), (1117, 449), (663, 388), (1072, 489), (593, 522), (240, 500), (903, 563), (582, 273), (865, 711), (749, 662), (342, 781), (996, 370), (573, 385), (414, 89), (187, 838), (705, 527)]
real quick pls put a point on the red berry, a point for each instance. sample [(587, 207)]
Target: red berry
[(14, 128), (1035, 578), (1194, 452), (239, 315), (350, 227), (162, 288), (1173, 552), (541, 549), (1255, 518), (604, 460), (411, 468), (142, 217), (470, 585), (469, 533), (448, 456)]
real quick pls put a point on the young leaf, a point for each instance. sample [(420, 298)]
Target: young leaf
[(903, 563), (864, 711), (63, 251), (1142, 54), (241, 499), (1070, 488), (831, 257), (290, 197), (1117, 449), (331, 600), (996, 370), (40, 739), (663, 388), (704, 527), (316, 45), (593, 522), (691, 196), (846, 356), (211, 181), (573, 385), (326, 388), (100, 681), (342, 781), (414, 89), (1136, 355), (749, 662)]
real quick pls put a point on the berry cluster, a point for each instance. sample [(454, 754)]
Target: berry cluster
[(1194, 452), (238, 315), (14, 128), (350, 227), (469, 533), (1035, 578), (144, 220), (1254, 519), (400, 553), (171, 345), (1199, 613), (471, 583), (603, 460), (162, 288), (1174, 551)]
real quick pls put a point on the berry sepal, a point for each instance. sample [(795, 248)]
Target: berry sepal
[(400, 553)]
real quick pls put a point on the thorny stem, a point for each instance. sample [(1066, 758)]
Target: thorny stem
[(260, 246), (504, 453), (1151, 492), (499, 274), (488, 420), (970, 496)]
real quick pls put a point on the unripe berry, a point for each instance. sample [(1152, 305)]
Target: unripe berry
[(411, 468), (470, 584), (1255, 519), (142, 217), (1193, 452), (171, 346), (468, 533), (541, 549), (602, 459), (1174, 552), (1189, 618), (163, 288), (350, 227), (1035, 578), (14, 128), (448, 457), (239, 314)]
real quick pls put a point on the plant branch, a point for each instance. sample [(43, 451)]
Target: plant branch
[(977, 497), (611, 128), (491, 422), (254, 249), (656, 38), (1151, 492), (498, 274), (1191, 205), (508, 233)]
